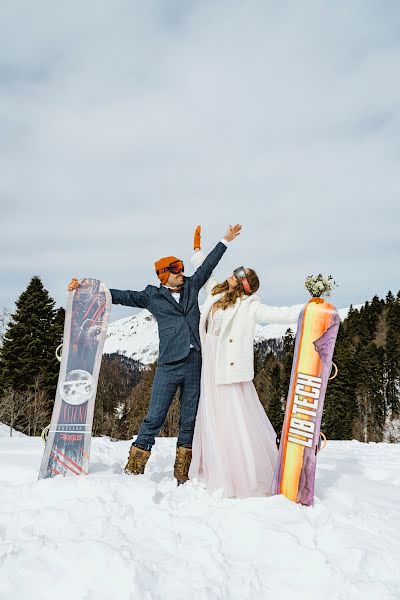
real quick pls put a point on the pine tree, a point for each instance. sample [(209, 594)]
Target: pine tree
[(275, 406), (340, 406), (370, 394), (393, 357), (54, 339), (352, 310), (262, 380), (288, 353), (373, 315), (29, 343), (390, 297)]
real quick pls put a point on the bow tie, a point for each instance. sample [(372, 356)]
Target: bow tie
[(177, 290)]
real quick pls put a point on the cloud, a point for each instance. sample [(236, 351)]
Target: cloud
[(124, 125)]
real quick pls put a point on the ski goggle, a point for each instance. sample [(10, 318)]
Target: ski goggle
[(240, 275), (175, 268)]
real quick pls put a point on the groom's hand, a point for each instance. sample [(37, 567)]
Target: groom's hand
[(73, 284), (197, 238), (232, 232)]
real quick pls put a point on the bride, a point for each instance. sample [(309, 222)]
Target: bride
[(234, 442)]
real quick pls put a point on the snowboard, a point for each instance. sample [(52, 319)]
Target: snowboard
[(317, 330), (86, 319)]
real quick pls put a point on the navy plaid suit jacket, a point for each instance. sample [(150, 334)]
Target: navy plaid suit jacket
[(175, 321)]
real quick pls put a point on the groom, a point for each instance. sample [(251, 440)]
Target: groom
[(174, 304)]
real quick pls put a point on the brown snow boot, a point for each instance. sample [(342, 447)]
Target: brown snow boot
[(182, 463), (137, 460)]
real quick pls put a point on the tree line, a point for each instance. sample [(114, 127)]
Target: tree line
[(362, 402)]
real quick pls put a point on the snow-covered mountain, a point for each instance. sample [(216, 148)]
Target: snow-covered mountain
[(137, 336)]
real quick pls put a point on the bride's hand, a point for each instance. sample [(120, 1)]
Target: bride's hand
[(197, 239), (232, 232)]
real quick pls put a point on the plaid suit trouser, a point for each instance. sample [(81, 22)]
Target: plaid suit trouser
[(184, 375)]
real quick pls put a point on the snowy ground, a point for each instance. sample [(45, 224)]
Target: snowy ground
[(111, 536)]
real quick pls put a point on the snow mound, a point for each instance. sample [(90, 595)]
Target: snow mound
[(5, 431), (110, 535)]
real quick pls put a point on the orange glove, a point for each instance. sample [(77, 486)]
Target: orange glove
[(73, 284), (197, 238)]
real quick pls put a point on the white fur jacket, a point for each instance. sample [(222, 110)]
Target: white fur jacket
[(235, 350)]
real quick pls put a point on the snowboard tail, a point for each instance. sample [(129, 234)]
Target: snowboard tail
[(86, 320), (315, 341)]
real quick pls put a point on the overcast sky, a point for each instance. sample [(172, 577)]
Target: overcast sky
[(124, 124)]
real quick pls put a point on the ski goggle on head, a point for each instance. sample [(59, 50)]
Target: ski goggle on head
[(175, 267), (240, 275)]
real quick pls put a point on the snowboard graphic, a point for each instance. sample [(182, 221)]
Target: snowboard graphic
[(294, 475), (86, 319)]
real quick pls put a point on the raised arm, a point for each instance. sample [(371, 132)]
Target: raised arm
[(281, 315), (205, 269), (197, 260)]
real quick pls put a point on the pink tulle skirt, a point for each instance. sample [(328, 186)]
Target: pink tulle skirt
[(234, 446)]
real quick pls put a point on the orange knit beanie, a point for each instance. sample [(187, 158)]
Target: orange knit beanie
[(161, 264)]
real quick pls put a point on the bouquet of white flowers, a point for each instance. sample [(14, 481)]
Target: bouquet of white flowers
[(318, 285)]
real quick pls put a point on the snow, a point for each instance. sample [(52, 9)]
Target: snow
[(5, 431), (137, 336), (391, 432), (110, 535)]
